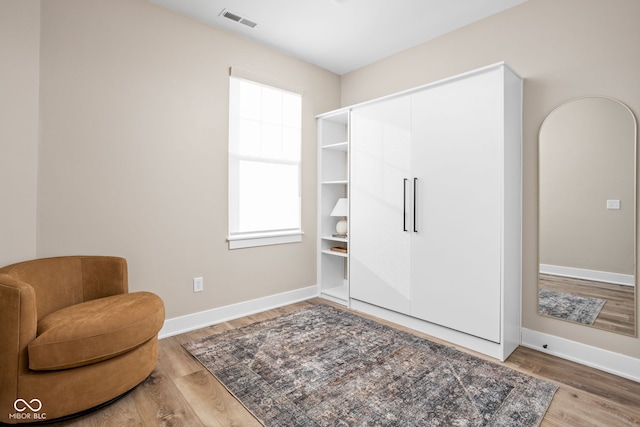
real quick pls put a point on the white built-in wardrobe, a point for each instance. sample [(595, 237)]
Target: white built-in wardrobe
[(434, 237)]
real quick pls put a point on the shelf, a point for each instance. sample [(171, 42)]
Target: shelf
[(339, 292), (336, 239), (340, 146), (334, 253)]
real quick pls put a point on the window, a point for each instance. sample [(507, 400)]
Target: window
[(264, 164)]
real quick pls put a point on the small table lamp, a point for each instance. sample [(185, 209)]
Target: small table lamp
[(341, 209)]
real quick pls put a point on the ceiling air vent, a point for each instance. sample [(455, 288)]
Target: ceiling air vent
[(237, 18)]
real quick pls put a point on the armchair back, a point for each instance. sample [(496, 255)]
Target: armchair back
[(64, 281)]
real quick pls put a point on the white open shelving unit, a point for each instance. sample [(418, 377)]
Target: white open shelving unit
[(333, 184)]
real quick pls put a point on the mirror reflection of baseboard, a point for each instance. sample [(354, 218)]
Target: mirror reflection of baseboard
[(592, 275)]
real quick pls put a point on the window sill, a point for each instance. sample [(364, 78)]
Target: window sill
[(264, 239)]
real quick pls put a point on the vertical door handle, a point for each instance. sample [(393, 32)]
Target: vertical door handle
[(404, 205), (415, 204)]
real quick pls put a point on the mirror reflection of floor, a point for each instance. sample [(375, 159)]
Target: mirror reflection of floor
[(617, 315)]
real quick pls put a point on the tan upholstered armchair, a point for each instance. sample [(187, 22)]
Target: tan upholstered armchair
[(71, 336)]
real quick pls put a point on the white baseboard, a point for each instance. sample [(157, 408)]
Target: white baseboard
[(190, 322), (604, 360), (582, 273)]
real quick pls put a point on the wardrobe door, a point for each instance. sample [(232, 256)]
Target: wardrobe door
[(380, 198), (456, 248)]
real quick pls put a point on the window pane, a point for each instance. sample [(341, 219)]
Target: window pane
[(269, 197), (248, 137), (250, 100), (291, 144), (271, 106), (271, 141), (291, 110)]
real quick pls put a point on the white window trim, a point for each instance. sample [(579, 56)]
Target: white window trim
[(267, 238), (248, 75), (241, 241)]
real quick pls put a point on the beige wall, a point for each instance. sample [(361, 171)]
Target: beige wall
[(563, 49), (133, 158), (19, 74)]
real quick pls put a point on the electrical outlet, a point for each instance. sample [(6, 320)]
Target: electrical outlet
[(198, 284), (613, 204)]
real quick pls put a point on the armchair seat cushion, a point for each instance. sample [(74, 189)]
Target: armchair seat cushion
[(95, 330)]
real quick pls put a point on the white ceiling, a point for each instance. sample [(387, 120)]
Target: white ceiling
[(341, 35)]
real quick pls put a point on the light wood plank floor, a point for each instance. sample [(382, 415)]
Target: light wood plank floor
[(181, 392), (619, 312)]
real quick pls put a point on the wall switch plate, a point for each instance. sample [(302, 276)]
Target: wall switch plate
[(198, 284), (613, 204)]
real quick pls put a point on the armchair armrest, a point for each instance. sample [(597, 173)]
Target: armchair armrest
[(18, 317)]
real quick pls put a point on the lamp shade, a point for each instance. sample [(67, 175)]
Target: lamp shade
[(341, 208)]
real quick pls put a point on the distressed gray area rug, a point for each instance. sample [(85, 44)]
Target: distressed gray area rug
[(320, 366), (576, 308)]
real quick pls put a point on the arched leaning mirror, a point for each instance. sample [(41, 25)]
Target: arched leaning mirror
[(587, 214)]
